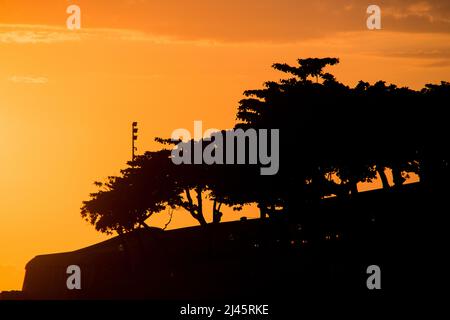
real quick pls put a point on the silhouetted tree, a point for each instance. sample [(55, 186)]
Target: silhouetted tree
[(332, 137), (126, 202)]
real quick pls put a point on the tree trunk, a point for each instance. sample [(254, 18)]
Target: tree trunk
[(383, 177), (196, 211), (262, 210), (199, 216), (353, 187), (397, 177), (217, 215), (201, 219)]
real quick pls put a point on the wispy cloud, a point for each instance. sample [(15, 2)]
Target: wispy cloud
[(33, 34), (29, 79), (274, 21), (432, 11), (24, 34)]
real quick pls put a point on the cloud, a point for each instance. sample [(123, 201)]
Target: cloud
[(438, 64), (47, 34), (271, 20), (205, 22), (426, 47), (25, 34), (29, 79)]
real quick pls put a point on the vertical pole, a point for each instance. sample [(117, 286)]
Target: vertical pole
[(132, 142), (134, 131)]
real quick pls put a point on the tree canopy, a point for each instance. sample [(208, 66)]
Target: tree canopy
[(332, 137)]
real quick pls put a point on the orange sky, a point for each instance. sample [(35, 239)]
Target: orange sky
[(67, 98)]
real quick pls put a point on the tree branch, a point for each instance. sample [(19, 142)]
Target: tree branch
[(190, 207), (170, 219)]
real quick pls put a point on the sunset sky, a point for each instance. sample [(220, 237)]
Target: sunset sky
[(67, 98)]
